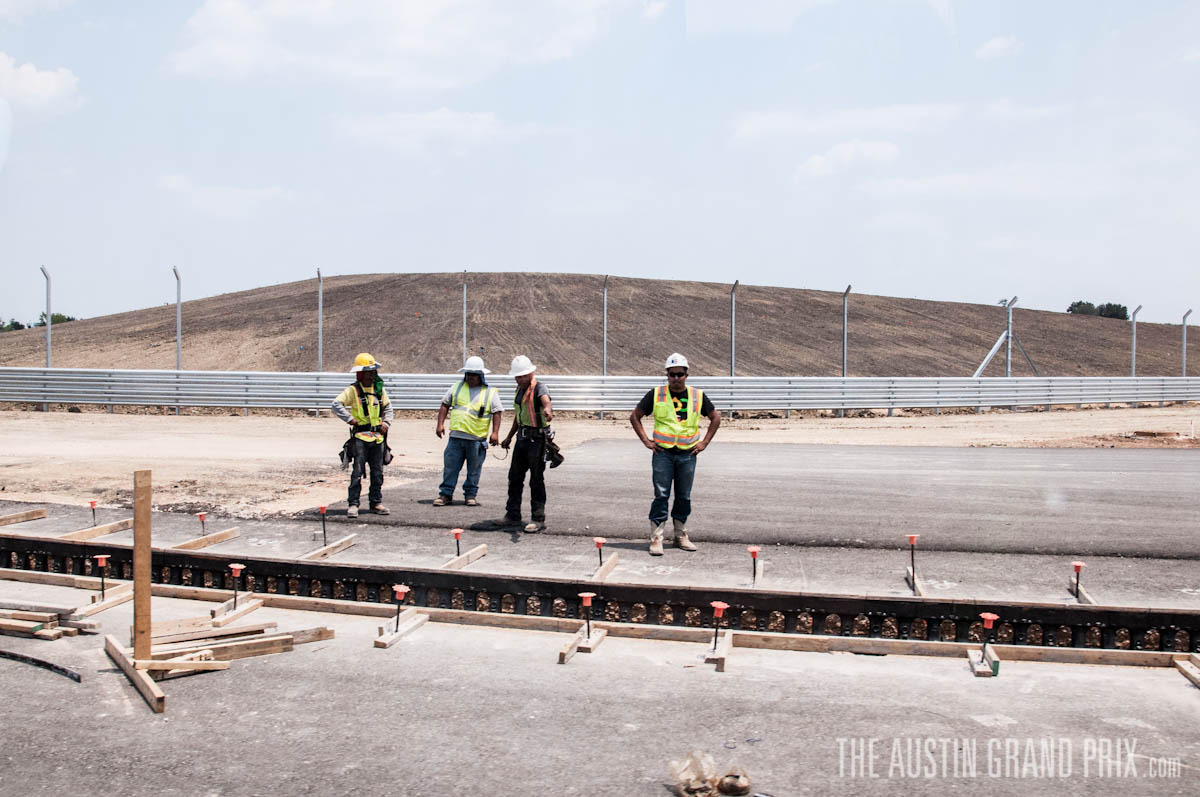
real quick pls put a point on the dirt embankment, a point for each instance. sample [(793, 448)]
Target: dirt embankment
[(412, 323)]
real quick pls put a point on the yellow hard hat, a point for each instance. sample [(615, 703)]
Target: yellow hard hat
[(364, 362)]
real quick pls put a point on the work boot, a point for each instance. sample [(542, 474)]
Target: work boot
[(656, 538), (471, 501), (352, 511), (509, 519), (441, 500), (380, 509), (681, 538), (538, 513), (533, 528)]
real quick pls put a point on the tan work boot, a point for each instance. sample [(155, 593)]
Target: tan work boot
[(352, 511), (681, 538), (656, 539)]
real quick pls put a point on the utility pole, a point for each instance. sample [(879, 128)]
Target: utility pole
[(732, 324), (1185, 318), (1008, 337), (178, 321), (320, 323), (1133, 348)]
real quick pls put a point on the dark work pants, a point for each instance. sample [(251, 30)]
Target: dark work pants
[(528, 455), (366, 454), (677, 467)]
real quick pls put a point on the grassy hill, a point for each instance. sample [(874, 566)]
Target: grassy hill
[(412, 323)]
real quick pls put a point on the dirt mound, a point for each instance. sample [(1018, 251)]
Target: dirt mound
[(412, 323)]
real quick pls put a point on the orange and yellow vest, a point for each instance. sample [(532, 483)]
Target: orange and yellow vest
[(669, 431)]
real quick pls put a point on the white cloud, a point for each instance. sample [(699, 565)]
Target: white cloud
[(46, 90), (998, 47), (1017, 181), (763, 17), (228, 202), (901, 221), (945, 12), (653, 9), (846, 154), (1009, 111), (455, 131), (425, 44), (5, 130), (1191, 57), (15, 10), (759, 125)]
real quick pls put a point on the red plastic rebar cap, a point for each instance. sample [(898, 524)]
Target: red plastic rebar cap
[(92, 504), (457, 533), (912, 539), (401, 590), (753, 549), (102, 558), (201, 515), (1078, 566), (322, 508), (719, 608), (237, 568), (587, 597), (989, 618), (599, 541)]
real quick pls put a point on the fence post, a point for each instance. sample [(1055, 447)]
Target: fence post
[(320, 322), (1183, 369), (49, 322), (732, 324)]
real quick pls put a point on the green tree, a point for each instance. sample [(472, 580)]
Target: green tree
[(1082, 308), (57, 318), (1113, 310), (13, 324)]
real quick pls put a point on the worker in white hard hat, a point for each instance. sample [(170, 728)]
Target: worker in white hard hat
[(474, 410), (532, 414), (366, 408), (676, 409)]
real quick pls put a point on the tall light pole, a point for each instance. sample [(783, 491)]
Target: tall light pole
[(178, 320), (845, 316), (732, 324), (1008, 337), (320, 322), (604, 333), (1185, 318), (1133, 348), (464, 314), (49, 318)]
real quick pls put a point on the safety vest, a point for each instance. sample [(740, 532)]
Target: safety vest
[(474, 418), (369, 416), (527, 413), (669, 431)]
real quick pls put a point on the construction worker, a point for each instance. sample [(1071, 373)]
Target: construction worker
[(366, 407), (473, 407), (676, 409), (531, 426)]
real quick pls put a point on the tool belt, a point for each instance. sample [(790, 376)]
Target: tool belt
[(536, 433), (346, 455), (363, 427)]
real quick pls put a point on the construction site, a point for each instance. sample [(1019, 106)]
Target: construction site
[(980, 590)]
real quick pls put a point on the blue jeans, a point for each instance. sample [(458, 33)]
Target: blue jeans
[(458, 451), (672, 466)]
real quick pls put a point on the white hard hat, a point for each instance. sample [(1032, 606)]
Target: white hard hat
[(676, 360), (473, 365), (521, 365)]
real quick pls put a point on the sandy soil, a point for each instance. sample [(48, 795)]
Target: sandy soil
[(261, 465)]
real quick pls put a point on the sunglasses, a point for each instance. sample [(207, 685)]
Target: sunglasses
[(677, 374)]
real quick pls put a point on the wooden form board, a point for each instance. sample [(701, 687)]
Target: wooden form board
[(141, 564), (21, 517), (113, 591), (720, 653), (241, 611), (459, 562), (139, 678), (1084, 596), (227, 605), (580, 642), (914, 582), (196, 543), (214, 633), (329, 550), (603, 571), (410, 620), (98, 531), (123, 596)]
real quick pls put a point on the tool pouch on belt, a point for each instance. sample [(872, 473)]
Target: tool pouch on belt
[(387, 451), (554, 454), (346, 455)]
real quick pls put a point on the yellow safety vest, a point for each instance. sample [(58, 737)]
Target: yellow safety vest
[(368, 417), (669, 431), (472, 418)]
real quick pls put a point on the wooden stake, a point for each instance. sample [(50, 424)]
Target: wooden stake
[(99, 531), (604, 570), (721, 653), (196, 543), (459, 562), (141, 564), (141, 681), (21, 517), (329, 550)]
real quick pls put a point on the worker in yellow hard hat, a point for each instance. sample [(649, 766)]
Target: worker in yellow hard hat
[(366, 408)]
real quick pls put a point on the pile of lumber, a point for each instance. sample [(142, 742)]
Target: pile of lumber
[(43, 622)]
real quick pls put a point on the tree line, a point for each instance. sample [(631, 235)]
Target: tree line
[(1106, 310), (55, 318)]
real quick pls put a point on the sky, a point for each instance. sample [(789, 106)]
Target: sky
[(960, 151)]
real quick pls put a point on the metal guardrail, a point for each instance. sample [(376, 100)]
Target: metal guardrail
[(587, 393)]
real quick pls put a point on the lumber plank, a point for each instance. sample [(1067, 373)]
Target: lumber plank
[(141, 564), (991, 658), (124, 596), (718, 655), (213, 633), (572, 647), (979, 667), (37, 617), (1188, 670), (914, 582), (82, 626), (589, 644), (225, 606), (404, 617), (91, 532), (21, 626), (25, 606), (329, 550), (49, 634), (1083, 596), (459, 562), (141, 681), (184, 626), (307, 635), (241, 611), (603, 571), (54, 579), (180, 664), (21, 517), (112, 592), (68, 631), (228, 651), (406, 627), (196, 543)]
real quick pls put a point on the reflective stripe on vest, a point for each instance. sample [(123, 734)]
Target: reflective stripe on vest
[(474, 418), (669, 431), (527, 415), (368, 418)]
